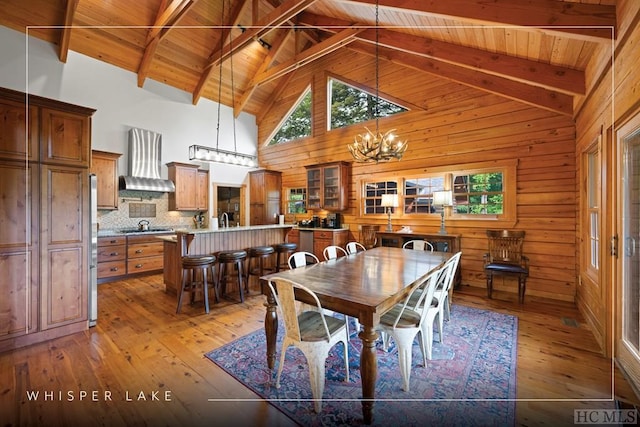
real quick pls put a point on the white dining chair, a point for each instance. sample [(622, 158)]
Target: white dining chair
[(418, 245), (302, 258), (403, 322), (333, 252), (312, 332), (354, 247), (444, 292), (435, 309)]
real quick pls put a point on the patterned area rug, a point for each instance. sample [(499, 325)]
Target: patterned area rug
[(469, 382)]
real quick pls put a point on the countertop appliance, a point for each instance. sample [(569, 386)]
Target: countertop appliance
[(93, 250), (334, 220)]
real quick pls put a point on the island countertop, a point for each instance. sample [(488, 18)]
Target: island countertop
[(233, 229), (205, 241)]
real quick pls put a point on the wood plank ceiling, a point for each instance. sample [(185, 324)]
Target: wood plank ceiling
[(533, 51)]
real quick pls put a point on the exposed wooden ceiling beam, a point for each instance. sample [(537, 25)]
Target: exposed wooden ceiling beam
[(592, 22), (325, 47), (277, 45), (65, 38), (267, 23), (523, 70), (533, 95), (167, 18)]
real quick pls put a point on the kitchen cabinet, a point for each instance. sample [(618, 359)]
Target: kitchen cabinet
[(45, 215), (294, 237), (185, 178), (202, 190), (327, 186), (122, 256), (112, 257), (326, 237), (265, 189), (19, 251), (64, 137), (144, 254), (105, 166)]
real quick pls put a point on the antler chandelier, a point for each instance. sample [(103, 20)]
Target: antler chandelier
[(376, 146)]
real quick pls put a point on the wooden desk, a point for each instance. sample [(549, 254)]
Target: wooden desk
[(441, 243), (363, 285)]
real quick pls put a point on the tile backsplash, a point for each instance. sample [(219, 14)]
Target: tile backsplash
[(133, 205)]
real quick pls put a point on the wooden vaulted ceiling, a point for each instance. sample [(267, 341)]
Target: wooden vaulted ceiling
[(537, 52)]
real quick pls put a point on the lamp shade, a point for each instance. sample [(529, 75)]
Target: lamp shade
[(444, 198), (389, 201)]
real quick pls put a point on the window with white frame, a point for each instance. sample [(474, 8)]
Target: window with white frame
[(296, 200), (593, 208), (417, 197), (482, 191), (372, 195)]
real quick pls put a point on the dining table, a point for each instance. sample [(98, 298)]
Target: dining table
[(364, 285)]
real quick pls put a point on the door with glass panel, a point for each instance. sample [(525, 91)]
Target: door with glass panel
[(628, 137)]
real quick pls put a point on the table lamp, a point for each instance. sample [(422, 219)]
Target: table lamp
[(442, 198), (389, 201)]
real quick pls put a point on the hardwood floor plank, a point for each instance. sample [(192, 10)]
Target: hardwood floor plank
[(140, 345)]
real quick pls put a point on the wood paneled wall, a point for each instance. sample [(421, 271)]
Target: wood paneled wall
[(613, 98), (449, 125)]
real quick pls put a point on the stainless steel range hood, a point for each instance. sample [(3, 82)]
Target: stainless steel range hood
[(145, 149)]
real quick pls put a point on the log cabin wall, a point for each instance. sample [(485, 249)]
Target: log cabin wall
[(448, 125), (596, 298)]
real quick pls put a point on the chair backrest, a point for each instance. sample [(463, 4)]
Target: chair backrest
[(354, 247), (505, 246), (449, 272), (284, 293), (425, 290), (418, 245), (301, 259), (368, 235), (333, 252)]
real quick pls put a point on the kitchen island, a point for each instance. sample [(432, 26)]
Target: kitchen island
[(208, 241)]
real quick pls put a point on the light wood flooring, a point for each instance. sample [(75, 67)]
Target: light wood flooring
[(141, 346)]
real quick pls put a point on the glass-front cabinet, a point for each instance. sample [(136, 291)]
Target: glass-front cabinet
[(327, 186), (314, 188)]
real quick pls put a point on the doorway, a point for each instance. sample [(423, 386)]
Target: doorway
[(628, 138), (230, 199)]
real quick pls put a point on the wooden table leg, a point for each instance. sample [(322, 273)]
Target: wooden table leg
[(368, 371), (271, 328)]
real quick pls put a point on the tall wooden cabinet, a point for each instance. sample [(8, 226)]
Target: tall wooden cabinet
[(44, 161), (327, 186), (264, 196)]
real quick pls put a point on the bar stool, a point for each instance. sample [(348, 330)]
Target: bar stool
[(258, 254), (284, 250), (191, 265), (232, 258)]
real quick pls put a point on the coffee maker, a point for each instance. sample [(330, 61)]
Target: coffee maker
[(334, 220)]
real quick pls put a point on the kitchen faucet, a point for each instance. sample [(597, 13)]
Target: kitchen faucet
[(224, 220)]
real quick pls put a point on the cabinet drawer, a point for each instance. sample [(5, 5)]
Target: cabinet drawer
[(111, 241), (139, 250), (328, 235), (145, 264), (112, 253), (111, 269)]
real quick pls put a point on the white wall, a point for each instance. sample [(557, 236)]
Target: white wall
[(31, 65)]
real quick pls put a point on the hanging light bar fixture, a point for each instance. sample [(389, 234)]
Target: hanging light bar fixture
[(376, 146), (209, 154)]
